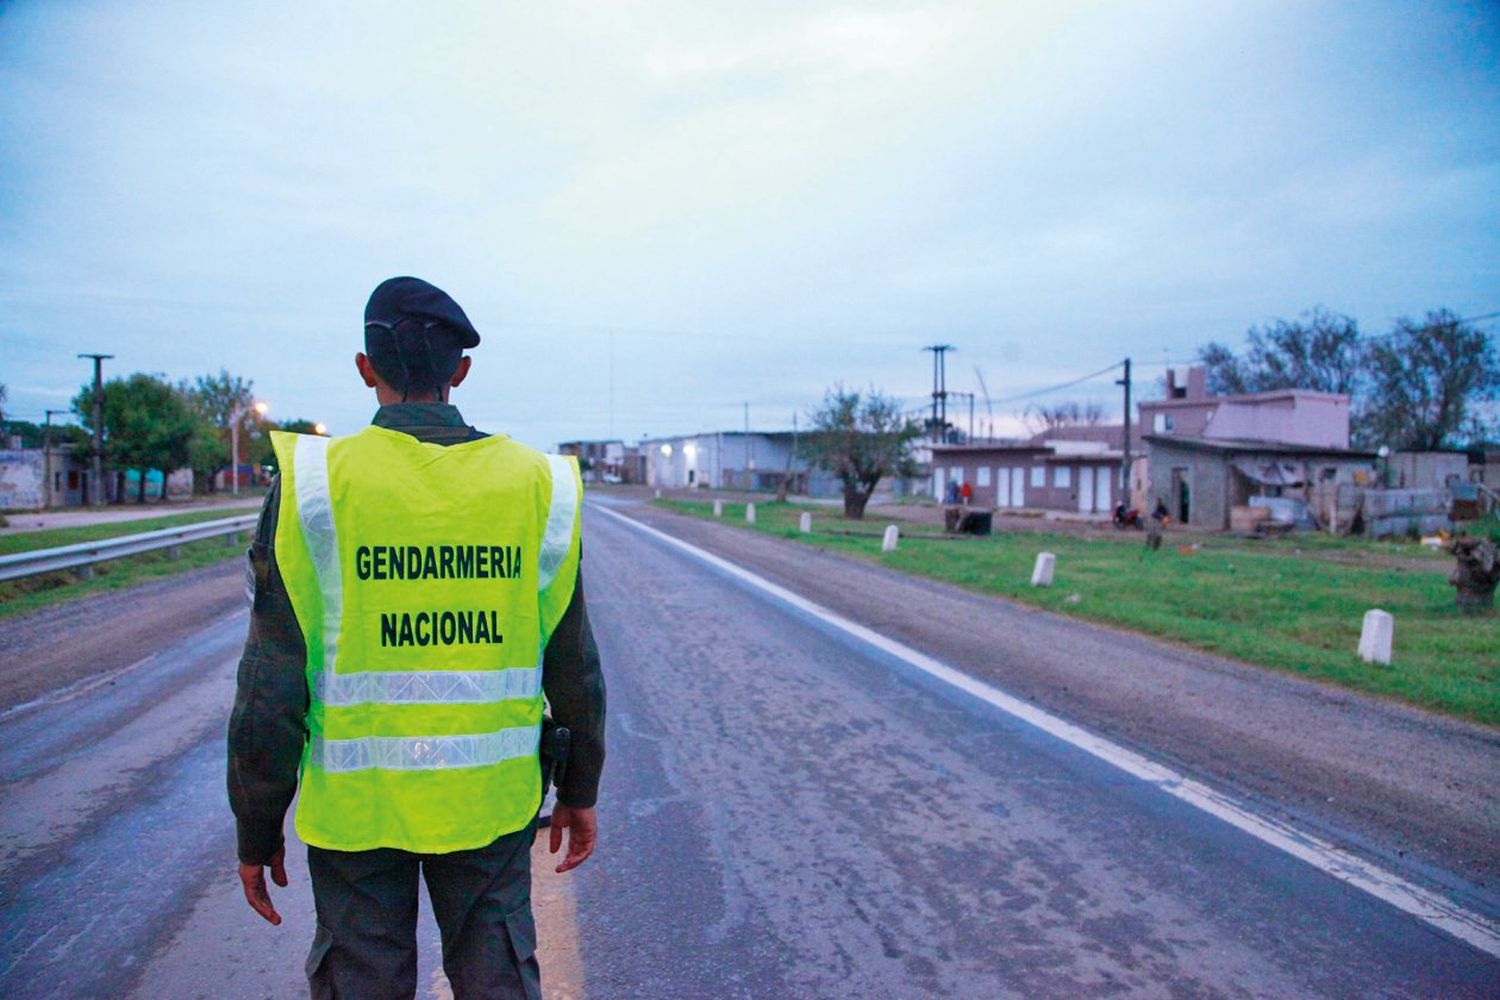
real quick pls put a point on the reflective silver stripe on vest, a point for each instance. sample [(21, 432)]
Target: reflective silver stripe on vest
[(425, 753), (433, 687), (558, 537), (315, 510)]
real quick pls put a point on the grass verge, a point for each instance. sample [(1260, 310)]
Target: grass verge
[(30, 593), (1282, 605)]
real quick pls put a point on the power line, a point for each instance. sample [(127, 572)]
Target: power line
[(1060, 386)]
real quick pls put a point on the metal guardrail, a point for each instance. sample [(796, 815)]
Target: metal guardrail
[(88, 553)]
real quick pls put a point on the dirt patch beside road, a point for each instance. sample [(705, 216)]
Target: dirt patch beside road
[(68, 643)]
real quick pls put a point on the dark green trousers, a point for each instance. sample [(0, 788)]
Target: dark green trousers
[(366, 944)]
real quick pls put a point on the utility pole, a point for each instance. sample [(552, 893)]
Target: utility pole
[(792, 464), (96, 481), (939, 388), (47, 460), (749, 474), (1125, 488)]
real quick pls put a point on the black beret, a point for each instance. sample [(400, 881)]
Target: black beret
[(406, 298)]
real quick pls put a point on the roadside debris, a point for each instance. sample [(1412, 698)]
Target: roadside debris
[(1477, 573)]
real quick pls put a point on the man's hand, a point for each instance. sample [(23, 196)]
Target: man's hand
[(582, 828), (253, 878)]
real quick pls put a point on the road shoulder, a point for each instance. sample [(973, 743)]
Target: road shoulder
[(72, 641)]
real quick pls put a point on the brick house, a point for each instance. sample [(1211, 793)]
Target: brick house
[(1076, 469)]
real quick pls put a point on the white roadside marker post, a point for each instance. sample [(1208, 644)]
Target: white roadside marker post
[(1041, 574), (1376, 636), (718, 508), (892, 535), (658, 494), (749, 513), (804, 523)]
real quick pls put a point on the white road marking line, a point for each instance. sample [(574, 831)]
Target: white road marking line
[(1430, 907)]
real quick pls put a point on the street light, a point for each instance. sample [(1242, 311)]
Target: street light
[(260, 409)]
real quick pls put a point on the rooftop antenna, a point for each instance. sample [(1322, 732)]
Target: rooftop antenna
[(989, 411)]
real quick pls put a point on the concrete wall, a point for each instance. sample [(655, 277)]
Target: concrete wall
[(22, 483), (1182, 418), (1427, 470), (1206, 476), (1316, 420)]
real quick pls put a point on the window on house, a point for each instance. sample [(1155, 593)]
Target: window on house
[(1162, 423), (1038, 476), (983, 478), (1062, 476), (72, 479)]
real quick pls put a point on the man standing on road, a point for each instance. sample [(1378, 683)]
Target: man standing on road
[(417, 592)]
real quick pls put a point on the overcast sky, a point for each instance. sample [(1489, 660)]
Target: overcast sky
[(655, 212)]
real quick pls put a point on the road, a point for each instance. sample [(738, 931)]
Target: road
[(788, 811), (26, 521)]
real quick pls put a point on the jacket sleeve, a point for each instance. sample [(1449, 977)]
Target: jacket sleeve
[(574, 684), (268, 725)]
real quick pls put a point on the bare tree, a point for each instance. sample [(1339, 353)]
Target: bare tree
[(1069, 414)]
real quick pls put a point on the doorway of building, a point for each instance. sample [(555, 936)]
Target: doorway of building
[(1181, 495), (1085, 490)]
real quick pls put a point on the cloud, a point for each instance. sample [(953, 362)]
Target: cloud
[(749, 201)]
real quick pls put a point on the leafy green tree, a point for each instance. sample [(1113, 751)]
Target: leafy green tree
[(34, 435), (219, 396), (1321, 350), (218, 400), (147, 425), (1428, 384), (861, 438)]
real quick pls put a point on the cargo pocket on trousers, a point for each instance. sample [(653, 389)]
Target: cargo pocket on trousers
[(317, 958), (520, 927)]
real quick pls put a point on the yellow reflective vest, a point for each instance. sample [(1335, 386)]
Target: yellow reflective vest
[(426, 580)]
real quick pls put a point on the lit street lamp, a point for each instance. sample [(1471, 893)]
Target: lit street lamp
[(260, 409)]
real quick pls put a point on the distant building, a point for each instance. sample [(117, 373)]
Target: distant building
[(1289, 416), (24, 476), (733, 460), (600, 461), (1202, 480), (1076, 469), (1210, 454)]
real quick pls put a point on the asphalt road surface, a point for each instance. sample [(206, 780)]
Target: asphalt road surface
[(787, 811)]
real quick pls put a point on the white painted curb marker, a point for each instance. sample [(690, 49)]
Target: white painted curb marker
[(1430, 907), (1376, 636), (804, 523), (749, 513), (718, 508), (1041, 574), (892, 535)]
